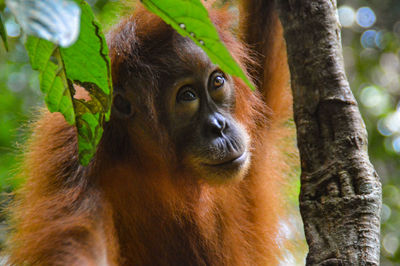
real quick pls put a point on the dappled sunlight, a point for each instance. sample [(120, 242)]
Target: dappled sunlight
[(365, 17)]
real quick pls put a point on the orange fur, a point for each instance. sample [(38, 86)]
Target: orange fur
[(130, 211)]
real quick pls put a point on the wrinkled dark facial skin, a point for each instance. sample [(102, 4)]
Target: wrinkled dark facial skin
[(195, 103)]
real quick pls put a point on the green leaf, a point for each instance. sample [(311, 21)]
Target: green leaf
[(86, 64), (52, 81), (190, 18), (3, 34)]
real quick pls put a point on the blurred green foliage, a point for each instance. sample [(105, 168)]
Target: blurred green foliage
[(371, 48), (18, 95)]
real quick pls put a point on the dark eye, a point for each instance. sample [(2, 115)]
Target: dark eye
[(218, 81), (186, 94)]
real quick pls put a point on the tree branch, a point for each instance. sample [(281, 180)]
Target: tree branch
[(340, 198)]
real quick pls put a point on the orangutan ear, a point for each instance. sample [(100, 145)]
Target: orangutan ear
[(121, 107)]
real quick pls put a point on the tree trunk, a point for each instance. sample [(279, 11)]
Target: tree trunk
[(340, 199)]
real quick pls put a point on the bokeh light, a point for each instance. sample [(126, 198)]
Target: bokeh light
[(381, 39), (388, 145), (392, 193), (392, 122), (388, 72), (383, 129), (347, 16), (13, 29), (17, 81), (396, 144), (365, 17), (369, 54), (386, 212), (375, 99), (390, 243), (368, 39), (390, 62)]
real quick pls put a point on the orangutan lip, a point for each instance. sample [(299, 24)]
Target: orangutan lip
[(235, 161)]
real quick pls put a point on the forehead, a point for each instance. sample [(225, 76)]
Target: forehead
[(159, 59), (189, 56)]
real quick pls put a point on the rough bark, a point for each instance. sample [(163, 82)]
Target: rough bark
[(340, 199)]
